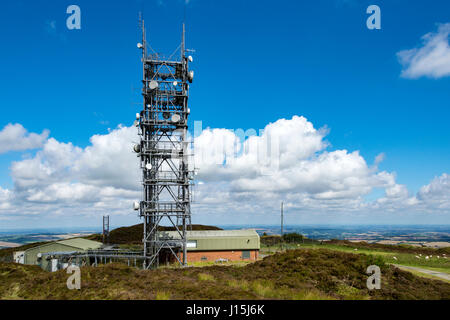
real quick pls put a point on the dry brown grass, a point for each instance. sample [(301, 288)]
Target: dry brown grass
[(298, 274)]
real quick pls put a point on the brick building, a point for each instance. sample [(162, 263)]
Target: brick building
[(231, 245)]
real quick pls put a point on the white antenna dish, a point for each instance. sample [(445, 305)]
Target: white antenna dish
[(188, 111), (148, 166), (175, 83), (137, 148), (191, 75), (153, 84), (176, 118), (138, 116), (139, 45), (191, 59), (136, 206)]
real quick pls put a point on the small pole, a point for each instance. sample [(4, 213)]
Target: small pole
[(281, 242)]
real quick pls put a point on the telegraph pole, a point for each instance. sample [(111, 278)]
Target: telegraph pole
[(281, 242)]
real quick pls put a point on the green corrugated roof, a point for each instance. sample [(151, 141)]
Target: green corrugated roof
[(81, 243), (218, 239), (214, 234)]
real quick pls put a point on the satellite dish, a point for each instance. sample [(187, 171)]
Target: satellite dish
[(153, 84), (138, 116), (136, 206), (176, 118), (139, 45), (148, 166), (191, 59), (137, 148), (188, 111), (175, 83)]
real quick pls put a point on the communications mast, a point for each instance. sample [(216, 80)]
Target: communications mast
[(164, 153)]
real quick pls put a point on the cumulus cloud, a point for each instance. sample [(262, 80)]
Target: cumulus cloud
[(432, 59), (289, 160), (437, 193), (61, 177), (240, 172), (14, 137)]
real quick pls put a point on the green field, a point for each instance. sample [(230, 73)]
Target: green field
[(441, 264)]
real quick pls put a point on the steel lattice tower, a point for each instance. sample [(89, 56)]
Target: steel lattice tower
[(164, 152)]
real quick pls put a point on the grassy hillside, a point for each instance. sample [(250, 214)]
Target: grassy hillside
[(295, 274), (438, 259), (391, 248)]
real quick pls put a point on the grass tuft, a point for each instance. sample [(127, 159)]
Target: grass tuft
[(205, 277), (162, 295)]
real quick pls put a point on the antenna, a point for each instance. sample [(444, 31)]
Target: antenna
[(105, 229), (183, 42), (282, 213), (164, 158)]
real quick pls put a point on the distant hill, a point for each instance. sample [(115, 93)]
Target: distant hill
[(133, 234)]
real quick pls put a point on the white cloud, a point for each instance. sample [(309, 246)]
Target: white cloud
[(380, 158), (14, 137), (436, 194), (63, 178), (109, 160), (5, 199), (236, 176), (306, 174), (432, 59)]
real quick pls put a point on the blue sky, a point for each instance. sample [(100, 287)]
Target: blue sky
[(255, 62)]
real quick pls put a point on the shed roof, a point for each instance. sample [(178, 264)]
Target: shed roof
[(246, 233), (77, 243), (81, 243)]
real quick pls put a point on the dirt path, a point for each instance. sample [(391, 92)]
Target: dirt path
[(438, 274)]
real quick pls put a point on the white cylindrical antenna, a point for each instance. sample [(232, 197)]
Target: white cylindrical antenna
[(191, 76), (153, 84), (176, 117)]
